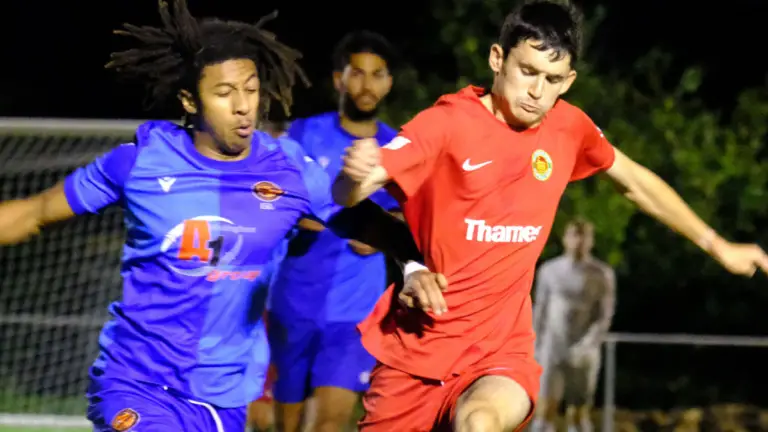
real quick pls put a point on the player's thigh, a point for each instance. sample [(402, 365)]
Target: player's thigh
[(581, 381), (508, 400), (342, 361), (552, 388), (293, 346), (125, 408), (334, 407), (397, 401)]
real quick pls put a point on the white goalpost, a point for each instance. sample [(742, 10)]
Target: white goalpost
[(54, 289)]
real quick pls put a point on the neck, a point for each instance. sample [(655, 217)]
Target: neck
[(499, 107), (579, 257), (206, 145), (359, 128)]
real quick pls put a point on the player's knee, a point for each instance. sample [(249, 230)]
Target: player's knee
[(329, 420), (478, 418), (494, 400)]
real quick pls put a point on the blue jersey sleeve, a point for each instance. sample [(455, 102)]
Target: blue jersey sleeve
[(316, 181), (100, 183), (318, 186), (296, 130)]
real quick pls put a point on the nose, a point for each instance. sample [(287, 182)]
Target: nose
[(241, 104), (537, 88)]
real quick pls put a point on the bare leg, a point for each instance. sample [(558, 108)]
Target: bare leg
[(492, 404), (335, 406)]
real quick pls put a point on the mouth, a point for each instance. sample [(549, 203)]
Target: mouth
[(368, 100), (244, 130), (529, 108)]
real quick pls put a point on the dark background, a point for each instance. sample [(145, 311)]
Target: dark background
[(54, 51)]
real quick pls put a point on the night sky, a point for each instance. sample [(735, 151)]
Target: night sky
[(54, 51)]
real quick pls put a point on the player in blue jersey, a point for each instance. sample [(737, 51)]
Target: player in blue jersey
[(205, 206), (327, 285)]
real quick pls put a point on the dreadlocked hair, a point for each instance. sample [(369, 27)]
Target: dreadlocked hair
[(171, 57)]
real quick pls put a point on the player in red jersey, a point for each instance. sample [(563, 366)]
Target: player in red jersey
[(479, 176)]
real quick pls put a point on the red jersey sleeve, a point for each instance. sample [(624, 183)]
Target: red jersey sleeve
[(410, 157), (596, 152)]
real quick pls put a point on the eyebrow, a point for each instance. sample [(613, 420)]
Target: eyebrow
[(529, 66), (230, 84)]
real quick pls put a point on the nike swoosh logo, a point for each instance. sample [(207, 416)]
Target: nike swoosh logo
[(469, 167)]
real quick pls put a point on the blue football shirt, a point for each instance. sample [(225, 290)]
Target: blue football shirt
[(322, 278), (200, 237)]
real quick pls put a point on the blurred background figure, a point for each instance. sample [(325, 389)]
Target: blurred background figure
[(575, 296)]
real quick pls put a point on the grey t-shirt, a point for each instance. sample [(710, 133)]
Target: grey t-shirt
[(573, 303)]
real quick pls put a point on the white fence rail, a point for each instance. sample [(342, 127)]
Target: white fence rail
[(613, 339)]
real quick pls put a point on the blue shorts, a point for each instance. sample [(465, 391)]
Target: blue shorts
[(308, 355), (123, 407)]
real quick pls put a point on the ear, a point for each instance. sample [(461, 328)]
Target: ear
[(338, 81), (188, 102), (496, 59), (568, 82), (388, 87)]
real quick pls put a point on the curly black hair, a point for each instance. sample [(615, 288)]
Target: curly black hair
[(171, 57)]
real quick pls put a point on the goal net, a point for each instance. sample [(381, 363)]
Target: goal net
[(54, 289)]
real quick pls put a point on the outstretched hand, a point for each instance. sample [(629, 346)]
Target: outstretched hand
[(424, 290), (740, 258)]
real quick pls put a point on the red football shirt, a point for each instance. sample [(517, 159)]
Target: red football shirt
[(480, 199)]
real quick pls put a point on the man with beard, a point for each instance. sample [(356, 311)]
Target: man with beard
[(327, 284)]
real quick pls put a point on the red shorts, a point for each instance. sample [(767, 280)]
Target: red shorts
[(398, 401), (267, 395)]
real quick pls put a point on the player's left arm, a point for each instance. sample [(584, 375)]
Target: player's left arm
[(606, 309), (384, 200), (656, 198)]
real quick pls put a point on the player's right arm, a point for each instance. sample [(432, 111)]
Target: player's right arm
[(406, 161), (88, 189), (21, 219), (541, 293)]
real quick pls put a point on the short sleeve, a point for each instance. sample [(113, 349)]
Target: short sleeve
[(596, 153), (315, 179), (410, 156), (318, 184), (100, 183)]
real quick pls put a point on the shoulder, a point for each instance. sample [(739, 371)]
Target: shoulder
[(550, 265), (570, 118), (289, 152), (303, 127), (159, 133), (438, 120), (602, 268)]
